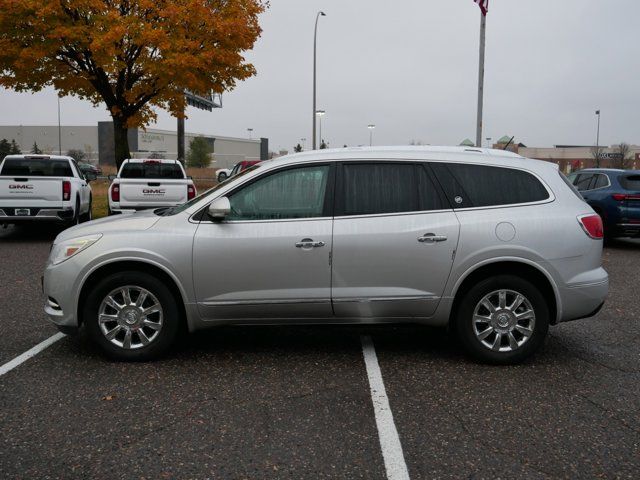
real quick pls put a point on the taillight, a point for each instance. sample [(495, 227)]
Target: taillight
[(115, 192), (191, 192), (592, 225), (66, 190), (620, 197)]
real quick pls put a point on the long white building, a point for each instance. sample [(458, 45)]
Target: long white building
[(97, 142)]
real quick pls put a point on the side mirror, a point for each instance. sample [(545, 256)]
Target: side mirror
[(112, 177), (90, 176), (219, 208)]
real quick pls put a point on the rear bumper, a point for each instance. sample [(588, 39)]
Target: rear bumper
[(118, 211), (7, 214), (585, 299), (627, 230)]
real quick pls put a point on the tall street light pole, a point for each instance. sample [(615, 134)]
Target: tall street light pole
[(598, 140), (59, 130), (319, 113), (250, 130), (483, 29), (315, 38), (371, 126)]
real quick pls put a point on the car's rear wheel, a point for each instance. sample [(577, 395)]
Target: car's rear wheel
[(502, 319), (222, 177), (132, 316)]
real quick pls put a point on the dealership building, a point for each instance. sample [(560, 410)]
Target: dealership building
[(97, 143)]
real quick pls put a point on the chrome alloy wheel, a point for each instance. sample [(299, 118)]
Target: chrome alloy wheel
[(130, 317), (503, 320)]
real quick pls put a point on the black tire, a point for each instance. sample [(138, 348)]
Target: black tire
[(77, 218), (222, 177), (171, 318), (464, 320), (87, 217)]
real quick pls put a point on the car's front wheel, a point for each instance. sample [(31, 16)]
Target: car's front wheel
[(132, 316), (222, 177), (502, 319)]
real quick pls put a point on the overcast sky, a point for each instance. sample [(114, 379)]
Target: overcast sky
[(411, 67)]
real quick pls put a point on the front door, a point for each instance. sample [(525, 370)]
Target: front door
[(393, 241), (270, 257)]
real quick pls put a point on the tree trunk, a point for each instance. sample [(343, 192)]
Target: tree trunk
[(121, 141)]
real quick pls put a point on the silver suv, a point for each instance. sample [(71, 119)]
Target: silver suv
[(493, 245)]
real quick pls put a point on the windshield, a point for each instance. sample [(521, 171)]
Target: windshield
[(36, 167), (152, 170), (184, 206)]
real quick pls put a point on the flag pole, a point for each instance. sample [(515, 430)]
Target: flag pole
[(483, 28)]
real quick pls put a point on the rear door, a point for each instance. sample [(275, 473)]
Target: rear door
[(152, 184), (393, 241)]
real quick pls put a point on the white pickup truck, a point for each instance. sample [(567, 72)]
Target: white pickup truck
[(43, 188), (149, 183)]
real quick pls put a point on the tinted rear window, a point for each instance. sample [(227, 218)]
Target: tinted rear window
[(630, 182), (379, 188), (40, 167), (483, 186), (151, 170)]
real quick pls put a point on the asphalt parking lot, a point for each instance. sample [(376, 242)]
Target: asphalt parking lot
[(296, 402)]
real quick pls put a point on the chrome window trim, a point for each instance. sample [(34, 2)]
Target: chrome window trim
[(511, 205), (394, 214), (550, 192)]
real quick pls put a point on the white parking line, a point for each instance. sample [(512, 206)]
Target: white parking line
[(389, 440), (32, 352)]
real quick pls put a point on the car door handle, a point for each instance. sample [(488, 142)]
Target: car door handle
[(432, 238), (309, 243)]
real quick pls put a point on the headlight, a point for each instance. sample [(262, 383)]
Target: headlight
[(67, 249)]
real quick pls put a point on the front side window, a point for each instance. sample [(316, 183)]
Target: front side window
[(292, 193), (471, 185)]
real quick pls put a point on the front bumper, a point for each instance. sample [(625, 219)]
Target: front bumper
[(59, 294)]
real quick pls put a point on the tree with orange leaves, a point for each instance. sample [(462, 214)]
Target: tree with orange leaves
[(131, 55)]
